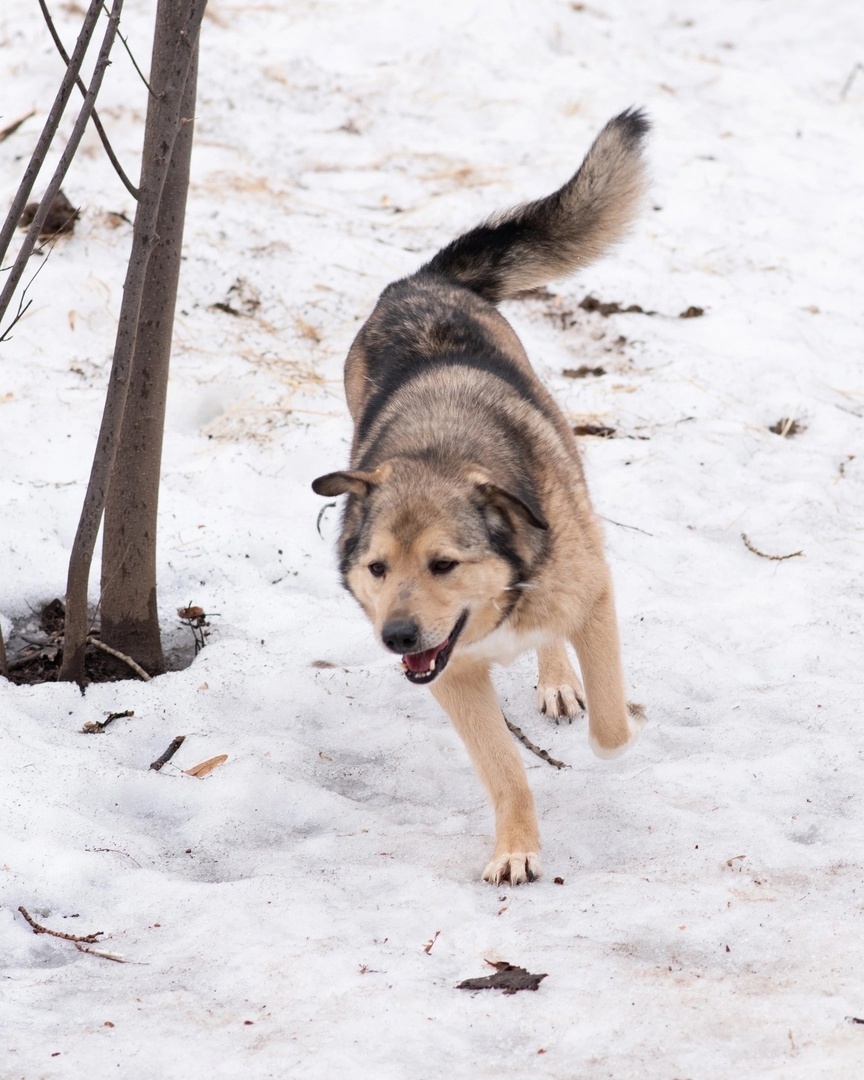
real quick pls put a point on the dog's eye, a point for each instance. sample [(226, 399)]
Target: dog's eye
[(443, 566), (377, 569)]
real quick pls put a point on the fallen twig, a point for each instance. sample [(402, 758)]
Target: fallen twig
[(544, 755), (325, 507), (10, 129), (139, 671), (169, 753), (622, 525), (87, 939), (775, 558), (116, 957), (114, 851), (96, 727)]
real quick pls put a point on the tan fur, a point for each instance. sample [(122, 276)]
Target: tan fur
[(469, 465)]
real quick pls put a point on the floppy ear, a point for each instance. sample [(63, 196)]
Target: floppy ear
[(527, 509), (523, 506), (354, 482)]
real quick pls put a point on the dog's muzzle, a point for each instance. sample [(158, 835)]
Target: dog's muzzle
[(423, 667)]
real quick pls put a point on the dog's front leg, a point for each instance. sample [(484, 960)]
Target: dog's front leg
[(612, 724), (466, 693)]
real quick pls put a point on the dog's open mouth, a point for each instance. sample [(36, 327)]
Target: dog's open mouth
[(422, 667)]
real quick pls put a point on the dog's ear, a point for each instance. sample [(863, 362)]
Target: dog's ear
[(353, 482), (522, 505), (505, 500)]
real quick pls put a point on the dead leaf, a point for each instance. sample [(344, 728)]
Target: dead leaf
[(207, 766), (507, 977), (582, 372)]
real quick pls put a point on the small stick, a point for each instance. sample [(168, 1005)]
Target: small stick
[(10, 129), (87, 939), (544, 755), (169, 753), (116, 957), (321, 512), (775, 558), (114, 851), (621, 525), (96, 727), (139, 671)]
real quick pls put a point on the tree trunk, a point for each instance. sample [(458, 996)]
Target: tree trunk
[(178, 24), (129, 613)]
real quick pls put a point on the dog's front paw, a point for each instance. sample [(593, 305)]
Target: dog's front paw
[(517, 867), (560, 702), (631, 728)]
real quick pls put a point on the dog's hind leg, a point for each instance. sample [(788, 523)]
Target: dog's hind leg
[(612, 724), (465, 692), (559, 691)]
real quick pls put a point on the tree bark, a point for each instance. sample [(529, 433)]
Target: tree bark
[(130, 619), (174, 52)]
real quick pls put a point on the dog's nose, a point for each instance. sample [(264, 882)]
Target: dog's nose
[(401, 635)]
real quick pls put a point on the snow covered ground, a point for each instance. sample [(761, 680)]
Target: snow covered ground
[(273, 916)]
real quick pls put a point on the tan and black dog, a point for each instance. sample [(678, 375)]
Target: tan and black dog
[(468, 536)]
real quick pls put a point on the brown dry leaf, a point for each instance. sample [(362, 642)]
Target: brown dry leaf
[(207, 766), (508, 977)]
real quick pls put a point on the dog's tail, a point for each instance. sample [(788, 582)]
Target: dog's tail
[(532, 244)]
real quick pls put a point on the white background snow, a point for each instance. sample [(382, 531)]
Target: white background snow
[(274, 915)]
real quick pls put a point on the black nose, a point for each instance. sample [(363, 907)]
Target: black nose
[(401, 635)]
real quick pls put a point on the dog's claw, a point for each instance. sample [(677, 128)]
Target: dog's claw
[(517, 867), (561, 702)]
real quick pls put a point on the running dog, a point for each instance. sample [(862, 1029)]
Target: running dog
[(468, 535)]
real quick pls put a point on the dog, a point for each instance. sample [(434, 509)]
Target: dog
[(468, 535)]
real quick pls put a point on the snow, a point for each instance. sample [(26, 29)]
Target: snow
[(709, 923)]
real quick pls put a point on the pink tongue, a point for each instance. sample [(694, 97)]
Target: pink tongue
[(420, 661)]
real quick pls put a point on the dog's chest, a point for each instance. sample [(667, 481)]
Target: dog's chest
[(503, 645)]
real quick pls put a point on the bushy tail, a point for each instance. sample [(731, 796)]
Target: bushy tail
[(537, 242)]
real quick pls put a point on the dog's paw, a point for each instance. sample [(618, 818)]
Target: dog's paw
[(561, 702), (635, 721), (517, 867)]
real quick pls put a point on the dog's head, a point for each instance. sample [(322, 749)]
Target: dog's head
[(435, 554)]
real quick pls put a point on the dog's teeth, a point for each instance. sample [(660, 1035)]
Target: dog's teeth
[(432, 665), (405, 666)]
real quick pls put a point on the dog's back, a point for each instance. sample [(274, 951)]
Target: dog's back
[(444, 314)]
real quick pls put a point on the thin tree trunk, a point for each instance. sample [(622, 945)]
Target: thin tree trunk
[(4, 666), (163, 124), (63, 164), (50, 129), (130, 619)]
